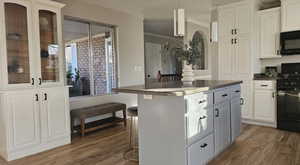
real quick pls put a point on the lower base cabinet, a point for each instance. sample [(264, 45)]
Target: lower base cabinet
[(33, 121), (222, 126), (201, 152)]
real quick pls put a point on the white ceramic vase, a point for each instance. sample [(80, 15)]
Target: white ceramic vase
[(187, 73)]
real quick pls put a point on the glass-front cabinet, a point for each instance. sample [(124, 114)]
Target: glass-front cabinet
[(16, 49), (31, 54), (49, 45)]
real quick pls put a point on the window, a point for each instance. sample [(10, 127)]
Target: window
[(90, 58)]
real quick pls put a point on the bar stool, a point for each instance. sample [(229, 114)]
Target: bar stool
[(132, 154)]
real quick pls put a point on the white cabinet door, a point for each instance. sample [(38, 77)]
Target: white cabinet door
[(243, 57), (247, 94), (235, 110), (24, 119), (49, 47), (290, 15), (243, 18), (269, 33), (265, 105), (226, 58), (55, 113), (222, 126), (226, 21), (17, 55)]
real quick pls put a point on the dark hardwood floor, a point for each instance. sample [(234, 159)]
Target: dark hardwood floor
[(256, 146)]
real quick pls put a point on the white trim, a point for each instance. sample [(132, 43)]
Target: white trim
[(160, 36), (260, 123), (83, 39), (269, 10), (204, 24), (204, 77)]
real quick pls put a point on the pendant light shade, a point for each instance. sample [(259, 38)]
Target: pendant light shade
[(179, 22)]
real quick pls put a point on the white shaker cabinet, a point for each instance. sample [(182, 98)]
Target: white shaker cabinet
[(34, 103), (290, 15), (235, 112), (22, 110), (36, 120), (269, 31), (55, 113), (265, 102), (236, 48)]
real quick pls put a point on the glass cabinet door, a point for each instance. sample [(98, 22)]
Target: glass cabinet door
[(49, 46), (17, 44)]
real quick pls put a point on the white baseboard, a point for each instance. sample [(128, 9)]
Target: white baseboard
[(34, 150), (260, 123)]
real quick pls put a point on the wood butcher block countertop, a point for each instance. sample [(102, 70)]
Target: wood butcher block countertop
[(176, 88)]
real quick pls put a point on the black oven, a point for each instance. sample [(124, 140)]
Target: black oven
[(290, 43)]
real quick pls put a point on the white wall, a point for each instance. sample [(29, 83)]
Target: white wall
[(130, 48), (279, 61)]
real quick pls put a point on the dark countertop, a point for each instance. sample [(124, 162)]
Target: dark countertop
[(176, 88)]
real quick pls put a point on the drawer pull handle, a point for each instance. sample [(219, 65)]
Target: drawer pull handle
[(263, 85), (203, 117), (237, 91), (202, 101), (225, 95), (203, 145), (217, 112)]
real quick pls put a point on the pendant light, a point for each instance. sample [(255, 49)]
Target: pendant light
[(179, 21)]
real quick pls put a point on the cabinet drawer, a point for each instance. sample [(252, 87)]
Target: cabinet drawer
[(201, 152), (221, 95), (262, 84), (199, 124), (199, 101), (235, 91)]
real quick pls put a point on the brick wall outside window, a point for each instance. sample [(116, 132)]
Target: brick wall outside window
[(99, 66)]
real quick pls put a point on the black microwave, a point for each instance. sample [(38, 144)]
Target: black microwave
[(290, 43)]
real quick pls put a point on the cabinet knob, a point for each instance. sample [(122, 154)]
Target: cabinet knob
[(225, 95), (237, 91), (36, 97), (242, 101), (202, 101)]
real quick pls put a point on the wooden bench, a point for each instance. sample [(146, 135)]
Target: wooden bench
[(102, 109)]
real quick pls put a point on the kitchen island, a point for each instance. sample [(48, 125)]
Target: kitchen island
[(186, 124)]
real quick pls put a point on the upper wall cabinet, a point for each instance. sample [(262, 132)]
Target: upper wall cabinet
[(290, 15), (49, 45), (31, 44), (269, 31)]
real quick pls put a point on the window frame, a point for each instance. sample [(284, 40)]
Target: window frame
[(91, 56)]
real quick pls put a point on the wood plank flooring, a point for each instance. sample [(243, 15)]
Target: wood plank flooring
[(256, 146)]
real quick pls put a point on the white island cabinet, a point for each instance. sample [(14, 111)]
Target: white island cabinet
[(186, 125)]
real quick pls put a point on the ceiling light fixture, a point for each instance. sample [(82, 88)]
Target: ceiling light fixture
[(179, 22)]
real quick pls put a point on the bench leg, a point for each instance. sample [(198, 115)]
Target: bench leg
[(72, 125), (125, 117), (82, 126)]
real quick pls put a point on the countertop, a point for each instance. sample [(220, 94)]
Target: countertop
[(176, 88)]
